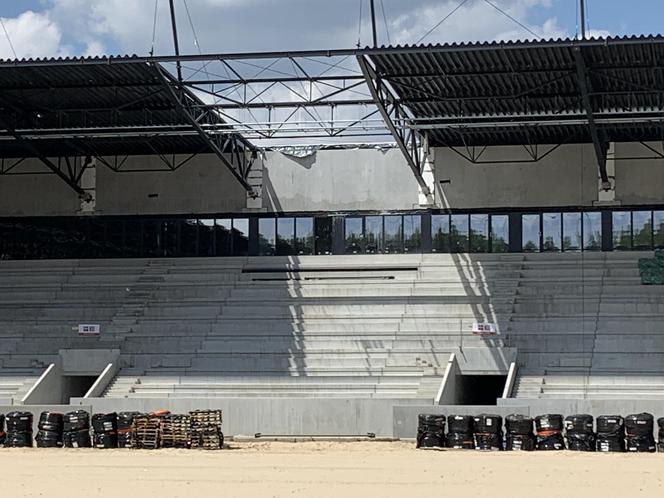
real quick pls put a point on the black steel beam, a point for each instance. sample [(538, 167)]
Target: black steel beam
[(406, 139), (585, 89)]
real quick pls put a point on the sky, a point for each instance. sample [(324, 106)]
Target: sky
[(47, 28)]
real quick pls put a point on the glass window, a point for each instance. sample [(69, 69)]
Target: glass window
[(189, 238), (115, 237), (622, 231), (323, 230), (354, 235), (223, 230), (440, 232), (479, 233), (393, 240), (151, 238), (240, 239), (658, 229), (304, 236), (170, 238), (133, 238), (592, 231), (267, 237), (530, 233), (206, 237), (373, 234), (500, 233), (412, 233), (551, 232), (642, 230), (572, 232), (459, 233), (285, 236)]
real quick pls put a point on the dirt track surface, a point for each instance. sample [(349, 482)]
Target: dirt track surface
[(320, 470)]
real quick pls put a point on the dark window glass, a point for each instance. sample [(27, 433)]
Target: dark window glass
[(151, 238), (622, 231), (304, 236), (459, 233), (240, 242), (285, 236), (551, 232), (223, 230), (440, 233), (206, 237), (500, 233), (373, 234), (572, 232), (133, 238), (659, 229), (393, 240), (189, 238), (323, 230), (354, 235), (115, 238), (479, 233), (170, 238), (592, 231), (530, 233), (642, 230), (412, 233)]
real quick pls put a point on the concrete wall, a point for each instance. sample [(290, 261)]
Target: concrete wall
[(639, 177), (48, 389), (566, 177), (339, 180)]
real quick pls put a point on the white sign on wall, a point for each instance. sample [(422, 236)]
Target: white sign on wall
[(485, 329), (89, 330)]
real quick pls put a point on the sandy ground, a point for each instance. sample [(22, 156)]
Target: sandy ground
[(323, 469)]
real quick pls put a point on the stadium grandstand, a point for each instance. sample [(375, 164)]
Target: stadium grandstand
[(331, 242)]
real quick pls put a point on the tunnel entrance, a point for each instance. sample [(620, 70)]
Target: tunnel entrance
[(76, 386), (481, 389)]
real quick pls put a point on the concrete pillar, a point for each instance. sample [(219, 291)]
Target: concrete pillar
[(89, 184), (255, 180), (604, 196), (428, 200)]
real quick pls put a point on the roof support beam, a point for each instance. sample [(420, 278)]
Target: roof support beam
[(599, 144), (407, 139), (237, 161)]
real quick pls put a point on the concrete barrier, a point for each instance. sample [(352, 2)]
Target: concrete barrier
[(47, 389)]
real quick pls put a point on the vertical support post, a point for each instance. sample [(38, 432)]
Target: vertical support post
[(174, 26), (582, 6), (516, 229), (607, 231), (338, 242), (374, 28), (253, 236), (427, 242)]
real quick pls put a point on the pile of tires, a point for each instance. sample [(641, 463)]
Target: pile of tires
[(610, 434), (639, 433), (431, 431), (51, 427), (460, 432), (125, 420), (488, 432), (3, 434), (549, 429), (580, 433), (105, 430), (77, 430), (660, 438), (520, 436), (19, 430)]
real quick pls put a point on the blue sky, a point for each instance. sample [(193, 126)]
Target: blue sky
[(90, 27)]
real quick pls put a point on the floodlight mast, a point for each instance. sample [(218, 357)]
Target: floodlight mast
[(174, 26), (582, 7), (374, 28)]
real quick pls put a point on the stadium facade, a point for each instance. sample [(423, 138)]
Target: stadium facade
[(336, 289)]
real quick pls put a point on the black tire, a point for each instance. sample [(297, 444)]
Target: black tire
[(125, 419), (51, 422), (19, 422), (581, 442), (460, 441), (610, 424), (520, 442), (78, 439), (2, 423), (105, 441), (641, 444), (430, 440), (76, 421), (49, 439), (124, 440), (610, 444), (640, 424), (105, 422), (579, 424), (549, 423), (460, 424), (519, 425), (551, 442), (489, 441), (488, 424), (19, 440), (660, 424)]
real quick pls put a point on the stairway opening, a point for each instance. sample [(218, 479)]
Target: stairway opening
[(76, 386), (481, 389)]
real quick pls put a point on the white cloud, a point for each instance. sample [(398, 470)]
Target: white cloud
[(32, 34)]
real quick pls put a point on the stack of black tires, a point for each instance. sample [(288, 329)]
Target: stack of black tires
[(488, 432), (580, 433), (639, 433), (19, 430), (431, 431), (660, 438), (520, 436), (77, 430), (3, 434), (610, 433), (105, 430), (125, 420), (549, 430), (460, 435), (51, 427)]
